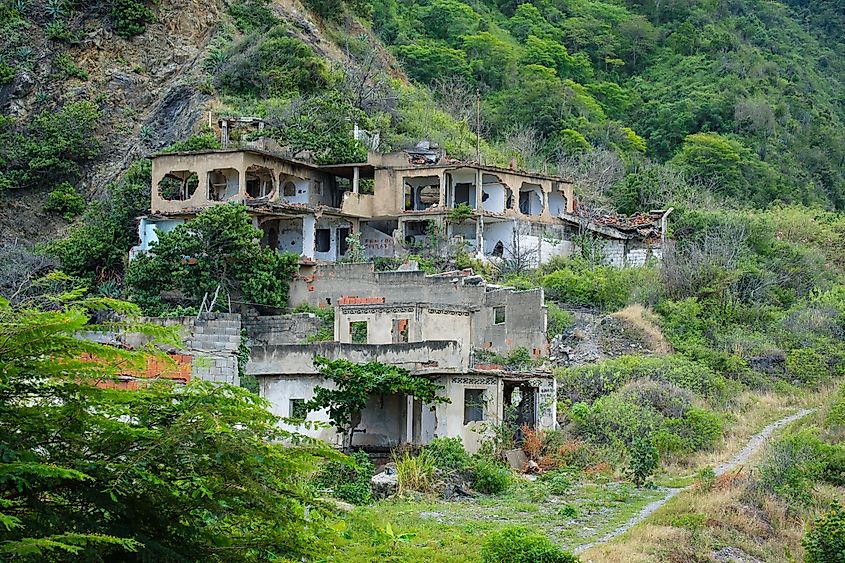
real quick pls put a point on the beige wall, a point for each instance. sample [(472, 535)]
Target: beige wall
[(203, 163), (389, 192)]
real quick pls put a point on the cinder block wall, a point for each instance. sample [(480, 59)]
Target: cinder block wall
[(281, 329), (212, 341)]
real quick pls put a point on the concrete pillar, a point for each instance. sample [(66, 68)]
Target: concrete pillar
[(356, 179), (478, 189), (224, 133), (242, 184), (442, 197), (309, 227), (409, 419), (479, 237)]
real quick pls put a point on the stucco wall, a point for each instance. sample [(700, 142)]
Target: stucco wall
[(419, 357)]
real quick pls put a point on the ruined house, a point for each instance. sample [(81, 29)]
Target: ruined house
[(310, 210), (445, 327)]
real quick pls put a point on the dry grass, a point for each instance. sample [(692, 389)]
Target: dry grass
[(754, 410), (735, 513), (691, 526), (642, 319)]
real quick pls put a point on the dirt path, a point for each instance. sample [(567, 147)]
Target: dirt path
[(754, 444)]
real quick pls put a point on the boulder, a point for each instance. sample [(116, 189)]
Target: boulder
[(385, 483)]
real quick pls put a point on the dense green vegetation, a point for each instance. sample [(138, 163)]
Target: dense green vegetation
[(215, 254), (95, 472), (743, 94)]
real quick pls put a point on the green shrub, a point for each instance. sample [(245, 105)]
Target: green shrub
[(807, 365), (587, 383), (7, 72), (272, 64), (793, 464), (643, 460), (836, 414), (202, 141), (69, 68), (348, 479), (517, 544), (326, 316), (490, 477), (48, 148), (558, 320), (65, 201), (252, 15), (448, 453), (557, 482), (130, 17), (697, 430), (825, 541), (97, 245)]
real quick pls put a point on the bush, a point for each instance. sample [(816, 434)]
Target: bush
[(448, 453), (272, 64), (202, 141), (252, 15), (490, 477), (348, 479), (587, 383), (793, 464), (643, 460), (825, 541), (65, 201), (96, 247), (517, 544), (578, 283), (49, 148), (414, 473), (558, 320), (130, 17), (807, 365)]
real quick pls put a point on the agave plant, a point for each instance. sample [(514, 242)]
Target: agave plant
[(110, 288), (55, 9), (215, 61)]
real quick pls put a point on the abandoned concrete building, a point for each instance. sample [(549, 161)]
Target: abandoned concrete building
[(310, 210), (444, 327), (453, 328)]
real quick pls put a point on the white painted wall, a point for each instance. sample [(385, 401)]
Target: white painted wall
[(148, 230), (496, 191)]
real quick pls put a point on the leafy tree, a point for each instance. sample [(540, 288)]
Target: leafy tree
[(356, 383), (96, 247), (90, 471), (449, 19), (427, 61), (218, 247), (64, 200), (320, 124), (50, 148)]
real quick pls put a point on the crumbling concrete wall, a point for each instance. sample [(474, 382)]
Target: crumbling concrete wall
[(324, 285), (298, 359), (281, 329), (212, 342), (524, 323), (525, 313)]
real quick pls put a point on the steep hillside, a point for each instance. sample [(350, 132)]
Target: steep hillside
[(742, 98)]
